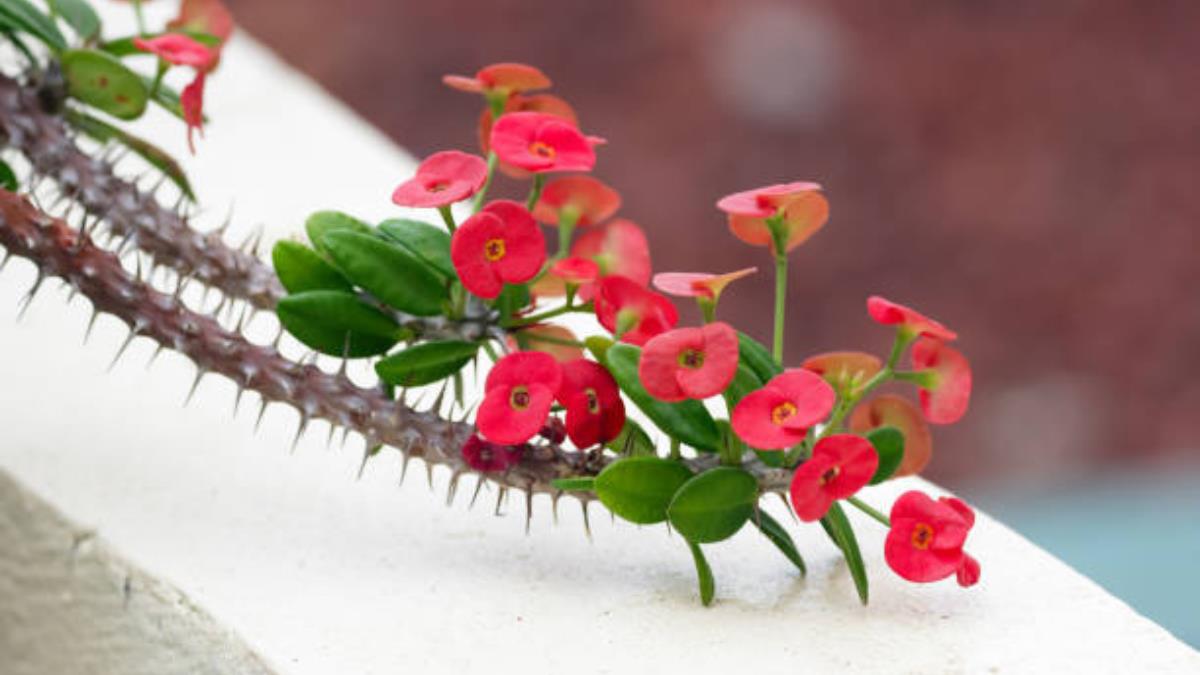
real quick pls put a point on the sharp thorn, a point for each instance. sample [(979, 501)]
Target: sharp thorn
[(237, 399), (587, 524), (528, 509), (500, 498), (554, 505), (299, 431), (452, 488), (28, 299), (404, 467), (195, 385), (262, 409), (362, 466), (124, 346), (329, 438), (4, 262), (345, 435), (87, 333), (429, 473), (475, 494)]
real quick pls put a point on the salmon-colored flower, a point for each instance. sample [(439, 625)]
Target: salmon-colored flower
[(576, 270), (780, 414), (896, 411), (557, 341), (191, 99), (204, 16), (595, 411), (443, 178), (842, 369), (580, 200), (946, 380), (500, 244), (925, 542), (910, 320), (801, 207), (698, 284), (500, 78), (840, 466), (689, 362), (488, 457), (628, 309), (520, 391), (541, 143), (177, 50), (620, 248)]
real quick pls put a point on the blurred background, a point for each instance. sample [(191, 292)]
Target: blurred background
[(1026, 172)]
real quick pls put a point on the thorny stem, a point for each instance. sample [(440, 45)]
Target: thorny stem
[(549, 314), (869, 510)]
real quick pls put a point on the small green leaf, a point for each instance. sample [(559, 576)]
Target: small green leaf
[(774, 532), (889, 443), (430, 244), (837, 526), (101, 81), (384, 269), (426, 363), (585, 484), (24, 17), (323, 222), (323, 319), (302, 269), (757, 358), (745, 381), (79, 15), (714, 505), (8, 177), (689, 421), (102, 131), (512, 299), (598, 346), (639, 489), (124, 46), (704, 575), (633, 441)]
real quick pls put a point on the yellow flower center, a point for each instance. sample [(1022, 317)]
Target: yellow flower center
[(782, 412), (830, 474), (541, 150), (691, 358), (922, 536), (494, 249), (519, 398), (593, 401)]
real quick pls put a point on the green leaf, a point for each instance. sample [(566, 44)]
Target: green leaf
[(774, 532), (323, 319), (8, 177), (584, 484), (714, 505), (633, 441), (757, 358), (745, 381), (837, 526), (688, 421), (124, 46), (426, 363), (79, 15), (323, 222), (704, 575), (24, 17), (889, 443), (387, 271), (302, 269), (101, 81), (430, 244), (512, 299), (102, 131), (639, 489), (598, 345)]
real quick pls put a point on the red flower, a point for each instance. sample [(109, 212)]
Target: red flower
[(840, 466), (926, 539), (890, 313), (539, 142), (204, 16), (442, 179), (802, 206), (179, 50), (520, 390), (689, 362), (841, 369), (779, 415), (191, 99), (500, 244), (543, 103), (581, 200), (500, 78), (625, 307), (487, 457), (895, 411), (595, 411), (619, 248), (576, 270), (947, 392), (697, 284)]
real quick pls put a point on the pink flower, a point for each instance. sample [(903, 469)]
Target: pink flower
[(442, 179), (801, 206), (840, 466), (779, 415), (842, 369), (500, 244), (192, 102), (625, 307), (540, 142), (926, 540), (595, 411), (619, 248), (520, 391), (581, 199), (576, 270), (178, 50), (697, 284), (890, 313), (689, 362), (946, 391), (500, 78), (896, 411), (204, 16), (557, 341)]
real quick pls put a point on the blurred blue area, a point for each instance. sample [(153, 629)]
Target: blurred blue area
[(1137, 535)]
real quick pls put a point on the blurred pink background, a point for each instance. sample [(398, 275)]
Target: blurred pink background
[(1024, 171)]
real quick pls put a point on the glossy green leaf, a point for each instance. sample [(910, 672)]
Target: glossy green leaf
[(757, 358), (385, 270), (512, 299), (426, 363), (775, 533), (704, 575), (323, 222), (430, 244), (124, 46), (744, 381), (837, 526), (689, 421), (8, 177), (889, 443), (633, 441), (302, 269), (102, 131), (23, 17), (639, 489), (714, 505), (584, 484), (101, 81), (323, 320), (79, 15)]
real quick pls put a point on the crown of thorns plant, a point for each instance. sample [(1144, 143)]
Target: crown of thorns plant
[(723, 420)]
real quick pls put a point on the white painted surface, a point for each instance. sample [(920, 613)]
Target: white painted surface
[(319, 573)]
